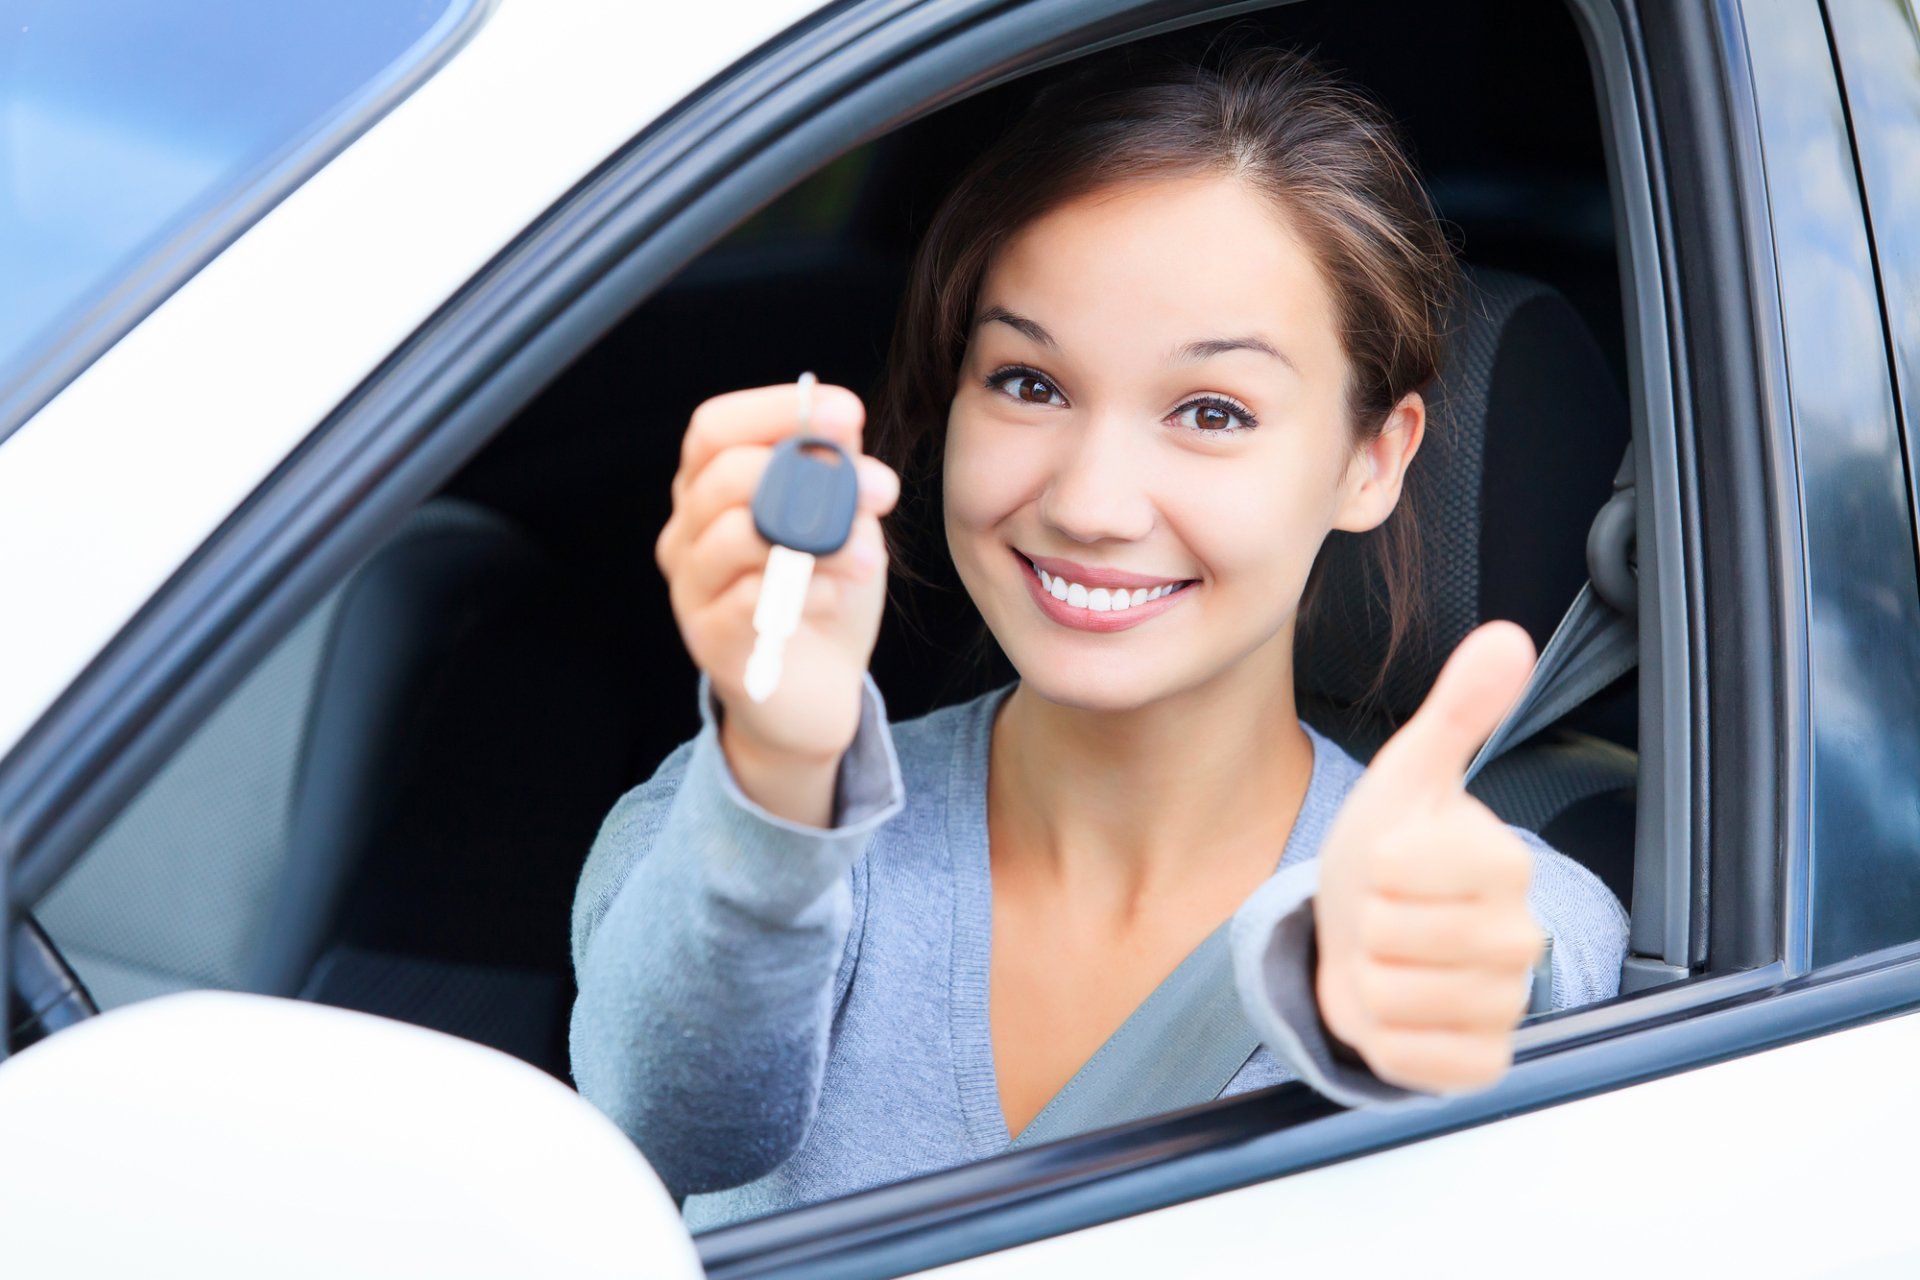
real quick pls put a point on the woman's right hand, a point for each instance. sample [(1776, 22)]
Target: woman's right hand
[(713, 559)]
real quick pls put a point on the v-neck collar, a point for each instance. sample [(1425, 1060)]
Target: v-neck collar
[(970, 1029)]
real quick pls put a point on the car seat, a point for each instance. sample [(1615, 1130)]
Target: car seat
[(1526, 429), (387, 813)]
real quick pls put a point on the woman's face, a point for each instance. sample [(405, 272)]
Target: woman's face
[(1152, 402)]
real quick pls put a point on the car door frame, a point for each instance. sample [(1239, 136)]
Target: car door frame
[(857, 70)]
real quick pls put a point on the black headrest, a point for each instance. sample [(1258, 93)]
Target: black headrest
[(1525, 430)]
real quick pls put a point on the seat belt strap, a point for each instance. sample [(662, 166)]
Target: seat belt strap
[(1180, 1048), (1593, 646), (1597, 641)]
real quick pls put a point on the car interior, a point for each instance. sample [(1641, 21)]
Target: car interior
[(390, 812)]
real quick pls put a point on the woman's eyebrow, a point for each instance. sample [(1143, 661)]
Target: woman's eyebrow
[(1019, 322), (1205, 347)]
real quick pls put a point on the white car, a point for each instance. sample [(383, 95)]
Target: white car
[(344, 356)]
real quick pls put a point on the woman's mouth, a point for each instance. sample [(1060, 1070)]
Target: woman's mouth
[(1115, 602)]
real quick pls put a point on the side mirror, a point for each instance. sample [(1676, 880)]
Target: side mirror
[(225, 1135)]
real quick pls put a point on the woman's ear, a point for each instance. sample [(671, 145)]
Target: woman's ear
[(1377, 469)]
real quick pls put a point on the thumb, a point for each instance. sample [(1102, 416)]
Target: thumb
[(1479, 683)]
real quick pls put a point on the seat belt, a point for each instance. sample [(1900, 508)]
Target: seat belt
[(1180, 1048), (1596, 642), (1594, 645)]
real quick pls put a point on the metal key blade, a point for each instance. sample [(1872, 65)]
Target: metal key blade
[(776, 616)]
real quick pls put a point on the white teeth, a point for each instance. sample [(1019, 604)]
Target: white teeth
[(1100, 599)]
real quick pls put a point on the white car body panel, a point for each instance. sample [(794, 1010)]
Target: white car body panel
[(1793, 1162), (111, 486)]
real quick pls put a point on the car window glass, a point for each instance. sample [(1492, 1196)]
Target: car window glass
[(1866, 873)]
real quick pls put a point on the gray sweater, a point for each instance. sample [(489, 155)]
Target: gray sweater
[(779, 1014)]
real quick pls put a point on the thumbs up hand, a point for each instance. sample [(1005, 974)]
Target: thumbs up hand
[(1425, 940)]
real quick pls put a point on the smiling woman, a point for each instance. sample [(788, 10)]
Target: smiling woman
[(1313, 222), (1220, 471), (1157, 344)]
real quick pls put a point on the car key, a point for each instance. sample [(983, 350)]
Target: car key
[(804, 506)]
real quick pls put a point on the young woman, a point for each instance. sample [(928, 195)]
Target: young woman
[(1157, 343)]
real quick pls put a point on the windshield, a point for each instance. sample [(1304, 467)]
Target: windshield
[(138, 137)]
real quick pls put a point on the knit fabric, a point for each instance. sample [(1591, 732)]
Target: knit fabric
[(779, 1014)]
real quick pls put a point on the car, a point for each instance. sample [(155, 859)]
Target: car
[(340, 382)]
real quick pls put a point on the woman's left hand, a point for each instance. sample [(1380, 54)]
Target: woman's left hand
[(1425, 939)]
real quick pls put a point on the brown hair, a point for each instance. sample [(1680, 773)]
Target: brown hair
[(1326, 154)]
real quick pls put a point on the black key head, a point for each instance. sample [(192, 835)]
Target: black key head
[(807, 496)]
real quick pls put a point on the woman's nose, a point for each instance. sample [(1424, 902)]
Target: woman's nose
[(1098, 489)]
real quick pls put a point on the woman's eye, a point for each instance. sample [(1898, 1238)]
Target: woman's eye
[(1026, 386), (1217, 417)]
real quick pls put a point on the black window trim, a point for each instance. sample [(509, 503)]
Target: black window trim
[(846, 74), (1729, 359)]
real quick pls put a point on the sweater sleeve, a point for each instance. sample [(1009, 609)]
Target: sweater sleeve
[(1272, 941), (706, 935)]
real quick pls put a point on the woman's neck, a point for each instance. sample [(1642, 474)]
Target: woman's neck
[(1117, 808)]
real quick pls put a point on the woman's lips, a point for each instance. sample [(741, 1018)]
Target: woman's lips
[(1083, 619)]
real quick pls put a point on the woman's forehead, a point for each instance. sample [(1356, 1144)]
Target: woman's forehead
[(1159, 263)]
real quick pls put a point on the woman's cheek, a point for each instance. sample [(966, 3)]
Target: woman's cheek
[(1258, 542), (981, 476)]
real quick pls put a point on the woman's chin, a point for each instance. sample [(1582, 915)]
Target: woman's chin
[(1074, 680)]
